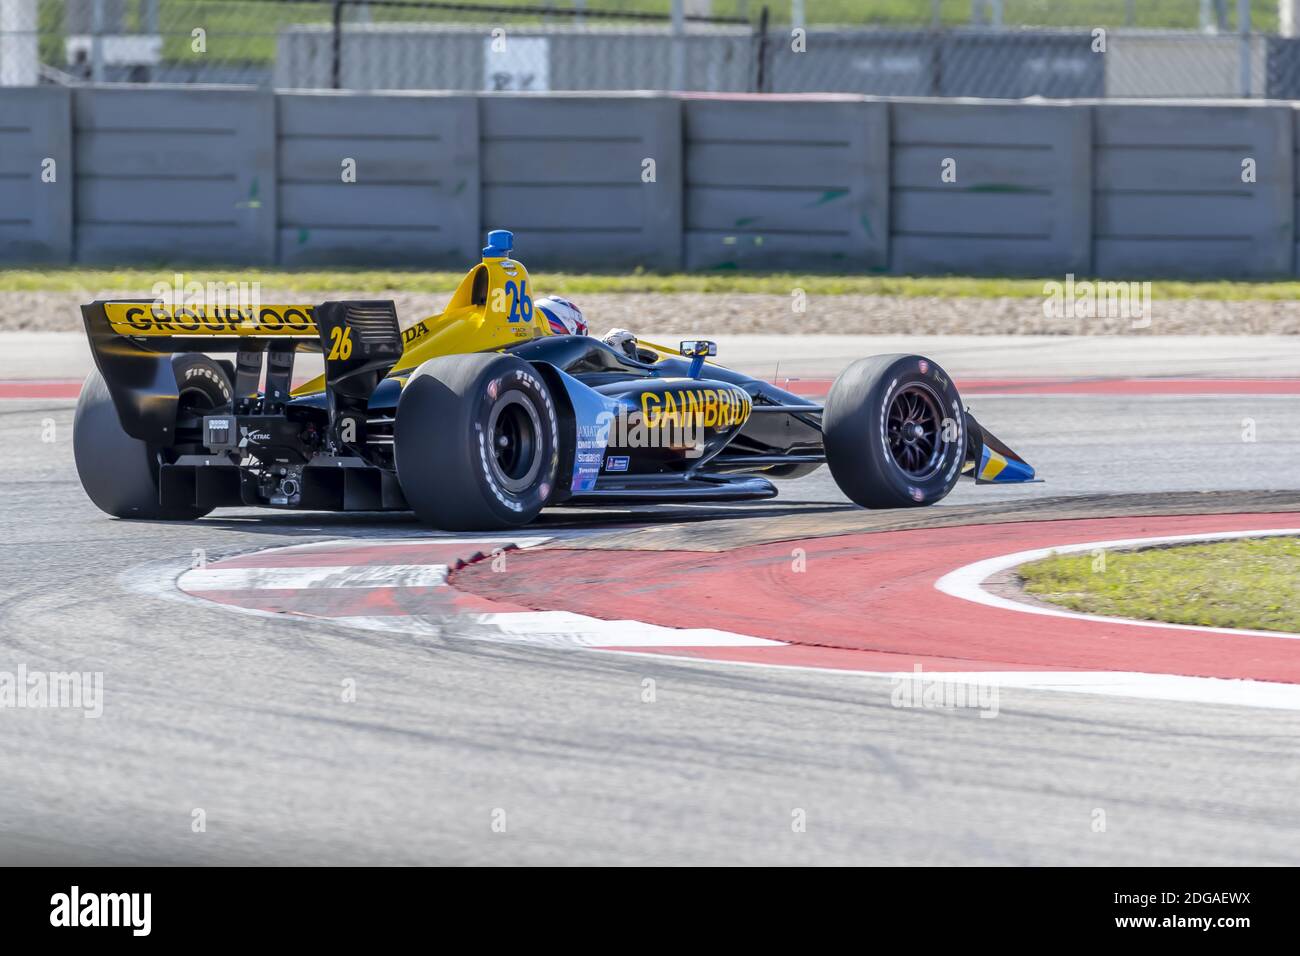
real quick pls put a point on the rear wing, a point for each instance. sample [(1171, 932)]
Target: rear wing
[(131, 341)]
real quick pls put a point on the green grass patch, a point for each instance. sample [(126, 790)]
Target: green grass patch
[(141, 280), (1246, 584)]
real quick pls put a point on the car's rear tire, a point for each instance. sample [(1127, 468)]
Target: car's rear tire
[(895, 432), (476, 442), (120, 473)]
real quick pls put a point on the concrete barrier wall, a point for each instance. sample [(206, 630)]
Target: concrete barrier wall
[(585, 181), (377, 180), (615, 181), (36, 176), (786, 184), (168, 175), (1169, 194), (990, 189)]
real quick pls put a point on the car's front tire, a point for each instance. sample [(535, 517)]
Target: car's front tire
[(476, 442), (894, 432)]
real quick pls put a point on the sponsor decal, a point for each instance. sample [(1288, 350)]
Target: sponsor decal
[(592, 413), (416, 332), (211, 377), (255, 437), (617, 463), (695, 408), (152, 319)]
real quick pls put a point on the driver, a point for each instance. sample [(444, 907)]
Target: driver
[(565, 318), (562, 316), (621, 340)]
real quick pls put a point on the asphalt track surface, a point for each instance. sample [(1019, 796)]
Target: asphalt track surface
[(242, 716)]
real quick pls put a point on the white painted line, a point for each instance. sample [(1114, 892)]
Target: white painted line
[(594, 632), (1203, 690), (356, 543), (353, 576), (967, 582), (554, 629)]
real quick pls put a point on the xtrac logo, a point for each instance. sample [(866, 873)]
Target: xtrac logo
[(246, 437)]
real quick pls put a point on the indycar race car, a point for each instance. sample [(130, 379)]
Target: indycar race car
[(480, 416)]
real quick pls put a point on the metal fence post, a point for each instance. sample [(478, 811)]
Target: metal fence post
[(986, 13), (760, 73), (97, 42), (1243, 28), (337, 40), (677, 55)]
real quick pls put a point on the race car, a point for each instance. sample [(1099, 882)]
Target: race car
[(479, 417)]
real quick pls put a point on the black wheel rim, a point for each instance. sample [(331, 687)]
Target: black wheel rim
[(514, 429), (914, 431)]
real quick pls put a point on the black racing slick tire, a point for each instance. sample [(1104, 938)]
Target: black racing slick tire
[(476, 442), (120, 473), (895, 432)]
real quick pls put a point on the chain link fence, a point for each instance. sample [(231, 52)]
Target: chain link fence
[(989, 48)]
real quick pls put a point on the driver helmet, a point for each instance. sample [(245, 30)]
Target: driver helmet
[(563, 317)]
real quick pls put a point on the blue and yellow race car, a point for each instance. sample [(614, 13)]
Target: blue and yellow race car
[(480, 416)]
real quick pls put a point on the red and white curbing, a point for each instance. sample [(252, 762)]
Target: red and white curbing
[(401, 586), (968, 582)]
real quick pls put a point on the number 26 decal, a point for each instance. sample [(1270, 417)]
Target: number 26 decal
[(340, 343), (521, 306)]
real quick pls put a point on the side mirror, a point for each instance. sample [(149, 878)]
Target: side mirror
[(698, 348)]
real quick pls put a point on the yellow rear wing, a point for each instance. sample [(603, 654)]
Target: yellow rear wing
[(132, 341)]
